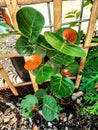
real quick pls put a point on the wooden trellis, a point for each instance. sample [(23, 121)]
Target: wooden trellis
[(13, 7)]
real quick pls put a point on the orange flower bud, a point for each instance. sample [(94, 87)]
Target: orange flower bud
[(33, 63)]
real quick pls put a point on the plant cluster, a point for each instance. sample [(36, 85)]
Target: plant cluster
[(52, 56)]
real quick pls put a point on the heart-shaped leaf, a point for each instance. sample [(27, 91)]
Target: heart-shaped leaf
[(23, 47), (27, 105), (61, 85), (30, 23), (44, 73), (63, 46), (50, 108)]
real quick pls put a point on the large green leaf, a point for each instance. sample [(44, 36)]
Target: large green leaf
[(61, 85), (63, 46), (23, 47), (44, 73), (30, 22), (27, 104), (50, 108), (59, 58)]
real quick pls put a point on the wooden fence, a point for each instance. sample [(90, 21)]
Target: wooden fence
[(13, 6)]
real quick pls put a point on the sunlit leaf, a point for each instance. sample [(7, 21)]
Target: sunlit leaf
[(63, 46)]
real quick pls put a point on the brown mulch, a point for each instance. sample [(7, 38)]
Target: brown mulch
[(76, 122)]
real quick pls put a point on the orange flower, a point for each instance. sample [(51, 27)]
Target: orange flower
[(70, 35), (33, 63)]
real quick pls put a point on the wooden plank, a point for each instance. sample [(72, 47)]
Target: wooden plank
[(27, 2), (13, 8), (4, 75), (9, 55), (92, 22), (35, 85), (57, 7)]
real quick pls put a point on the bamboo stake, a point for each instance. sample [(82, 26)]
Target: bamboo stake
[(3, 73), (13, 8), (35, 86), (92, 22), (57, 14), (9, 55)]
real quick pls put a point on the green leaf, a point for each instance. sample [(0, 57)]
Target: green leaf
[(56, 67), (60, 58), (73, 67), (73, 24), (44, 73), (63, 46), (23, 47), (93, 110), (50, 108), (26, 105), (70, 16), (95, 39), (40, 93), (30, 23), (62, 86), (77, 14), (43, 43)]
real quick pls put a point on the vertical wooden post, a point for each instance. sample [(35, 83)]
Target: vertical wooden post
[(13, 8), (57, 14), (4, 75), (92, 22)]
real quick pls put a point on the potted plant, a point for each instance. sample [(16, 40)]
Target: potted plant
[(53, 56)]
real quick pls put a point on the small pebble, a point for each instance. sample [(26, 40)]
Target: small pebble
[(70, 116), (78, 101), (77, 94), (49, 124)]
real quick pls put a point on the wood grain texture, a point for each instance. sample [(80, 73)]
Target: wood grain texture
[(91, 27), (5, 76), (28, 2), (57, 8)]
